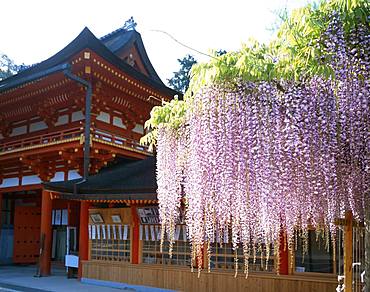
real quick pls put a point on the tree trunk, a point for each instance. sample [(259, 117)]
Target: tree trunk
[(367, 250)]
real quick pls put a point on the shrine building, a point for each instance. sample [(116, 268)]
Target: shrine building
[(77, 189), (107, 86)]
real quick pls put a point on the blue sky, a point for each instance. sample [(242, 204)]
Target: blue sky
[(31, 31)]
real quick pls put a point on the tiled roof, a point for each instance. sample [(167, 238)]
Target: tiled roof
[(125, 181), (106, 48)]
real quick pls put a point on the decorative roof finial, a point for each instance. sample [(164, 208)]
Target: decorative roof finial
[(130, 24)]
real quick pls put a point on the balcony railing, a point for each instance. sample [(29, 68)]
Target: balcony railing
[(73, 133), (119, 140), (40, 140)]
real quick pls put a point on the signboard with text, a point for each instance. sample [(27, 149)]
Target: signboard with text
[(150, 215)]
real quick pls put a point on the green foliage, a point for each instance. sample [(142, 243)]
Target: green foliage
[(170, 113), (297, 53), (180, 80), (8, 67)]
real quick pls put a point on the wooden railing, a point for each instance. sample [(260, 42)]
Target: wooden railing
[(120, 140), (40, 140), (97, 134)]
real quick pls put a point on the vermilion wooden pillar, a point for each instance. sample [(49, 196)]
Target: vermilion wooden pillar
[(283, 254), (83, 246), (135, 236), (46, 234)]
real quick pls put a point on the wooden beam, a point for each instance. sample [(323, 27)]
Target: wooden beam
[(21, 188), (40, 149)]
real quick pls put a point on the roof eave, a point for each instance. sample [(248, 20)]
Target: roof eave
[(110, 196), (85, 40)]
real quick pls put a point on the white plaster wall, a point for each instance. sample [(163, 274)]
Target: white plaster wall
[(118, 123), (104, 117), (19, 131), (138, 129), (38, 126), (77, 116), (62, 120)]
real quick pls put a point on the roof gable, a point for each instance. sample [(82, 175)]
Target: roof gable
[(124, 43), (85, 40)]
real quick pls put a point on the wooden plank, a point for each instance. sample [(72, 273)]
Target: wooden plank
[(181, 279)]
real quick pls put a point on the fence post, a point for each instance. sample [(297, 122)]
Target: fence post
[(367, 249), (348, 245)]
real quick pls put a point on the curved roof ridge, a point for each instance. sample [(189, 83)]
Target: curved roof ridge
[(112, 33), (86, 39), (55, 59)]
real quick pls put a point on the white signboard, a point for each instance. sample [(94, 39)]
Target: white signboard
[(114, 232), (98, 231), (158, 231), (120, 231), (108, 231), (148, 215), (103, 232), (93, 232), (71, 261), (141, 232), (125, 232), (146, 232), (152, 232), (90, 234)]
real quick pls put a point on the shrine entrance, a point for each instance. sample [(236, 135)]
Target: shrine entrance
[(20, 238)]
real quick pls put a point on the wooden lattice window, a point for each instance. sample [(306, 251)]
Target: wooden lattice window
[(110, 242), (151, 247), (223, 258)]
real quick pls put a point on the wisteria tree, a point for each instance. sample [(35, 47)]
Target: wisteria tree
[(276, 137)]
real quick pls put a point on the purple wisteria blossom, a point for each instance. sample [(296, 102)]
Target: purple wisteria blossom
[(254, 160)]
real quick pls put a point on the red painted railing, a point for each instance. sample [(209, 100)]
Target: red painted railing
[(101, 135), (41, 139), (109, 137)]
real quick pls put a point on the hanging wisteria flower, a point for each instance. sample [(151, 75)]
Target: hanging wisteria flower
[(254, 161)]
